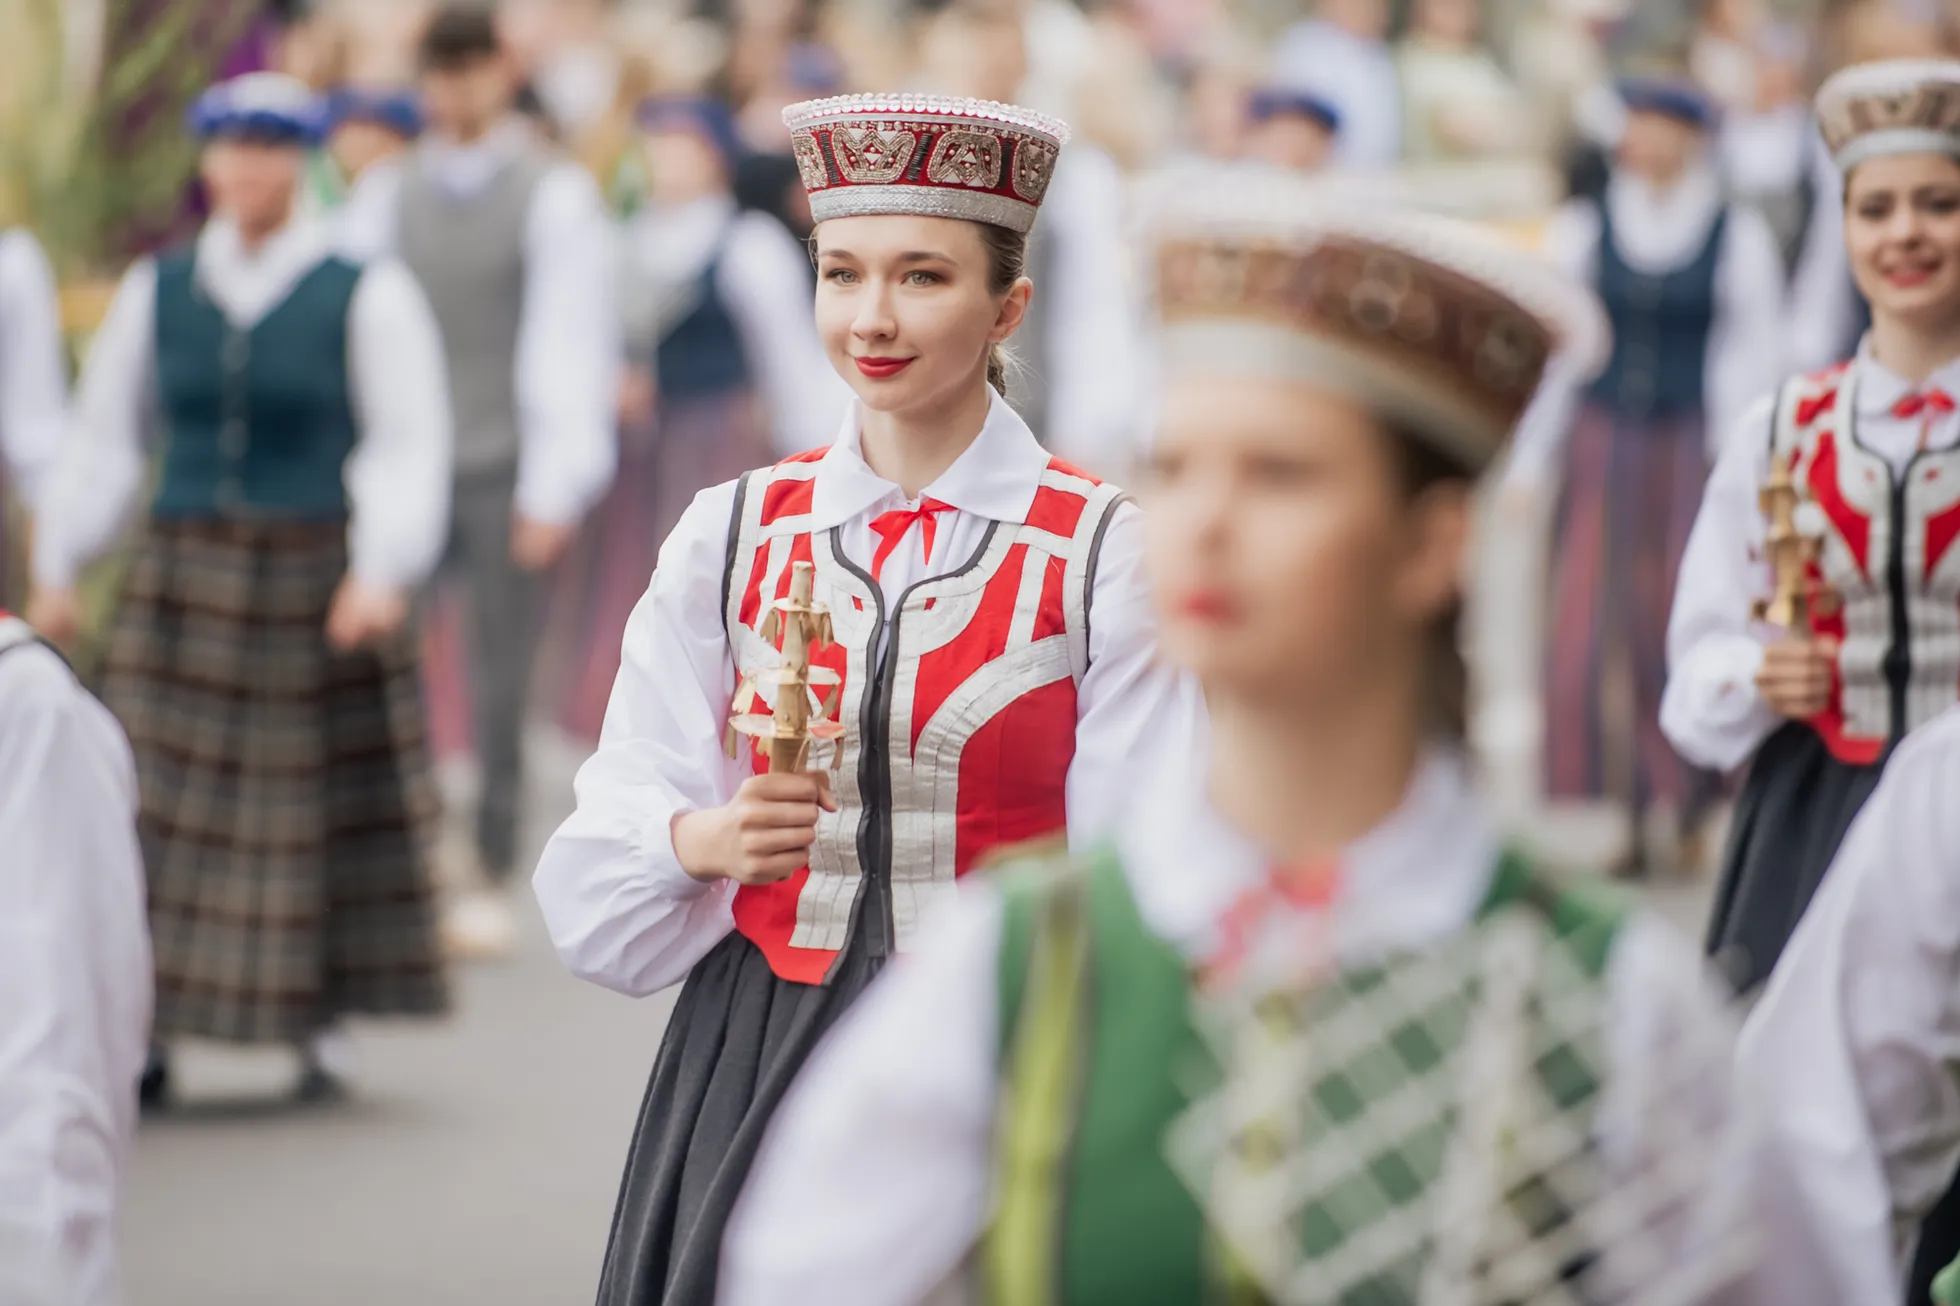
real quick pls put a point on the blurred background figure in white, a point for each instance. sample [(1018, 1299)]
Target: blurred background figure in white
[(511, 242)]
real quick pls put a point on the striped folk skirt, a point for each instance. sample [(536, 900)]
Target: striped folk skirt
[(696, 442), (286, 797), (1631, 493)]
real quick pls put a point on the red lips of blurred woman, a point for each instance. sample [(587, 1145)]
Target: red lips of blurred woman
[(1211, 607), (1908, 278), (882, 369)]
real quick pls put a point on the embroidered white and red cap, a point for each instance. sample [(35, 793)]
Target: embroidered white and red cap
[(977, 160), (1895, 106), (1442, 326)]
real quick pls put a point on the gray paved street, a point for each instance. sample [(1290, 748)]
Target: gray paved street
[(477, 1167)]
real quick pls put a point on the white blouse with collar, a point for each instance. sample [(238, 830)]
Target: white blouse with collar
[(873, 1185), (619, 907), (398, 475), (1711, 711)]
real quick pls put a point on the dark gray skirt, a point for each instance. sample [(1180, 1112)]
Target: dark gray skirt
[(1795, 807), (735, 1042)]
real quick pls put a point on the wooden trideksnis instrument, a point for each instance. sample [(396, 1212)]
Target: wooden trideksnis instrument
[(1792, 545), (804, 694)]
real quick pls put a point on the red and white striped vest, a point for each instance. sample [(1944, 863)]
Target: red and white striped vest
[(958, 739), (1888, 555)]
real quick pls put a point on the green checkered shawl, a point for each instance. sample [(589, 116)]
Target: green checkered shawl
[(1344, 1143)]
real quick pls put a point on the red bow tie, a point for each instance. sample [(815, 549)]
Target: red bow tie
[(1304, 893), (891, 527), (1931, 403)]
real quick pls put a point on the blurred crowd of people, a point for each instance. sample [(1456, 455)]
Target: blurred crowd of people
[(1516, 113)]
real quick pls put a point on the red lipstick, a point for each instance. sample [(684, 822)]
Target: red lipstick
[(1208, 605), (882, 369)]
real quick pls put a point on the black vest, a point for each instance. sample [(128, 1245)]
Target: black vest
[(703, 355), (1661, 326)]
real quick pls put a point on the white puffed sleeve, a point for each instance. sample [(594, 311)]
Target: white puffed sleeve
[(33, 381), (398, 476), (568, 350), (764, 278), (1711, 711), (95, 483), (620, 909), (1853, 1054), (1707, 1188), (1749, 344)]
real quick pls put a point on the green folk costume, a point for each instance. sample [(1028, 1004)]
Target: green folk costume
[(1116, 1089)]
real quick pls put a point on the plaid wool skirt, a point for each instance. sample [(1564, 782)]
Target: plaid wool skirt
[(287, 801)]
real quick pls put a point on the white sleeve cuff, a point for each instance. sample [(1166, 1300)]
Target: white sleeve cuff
[(1711, 711), (537, 499), (663, 865)]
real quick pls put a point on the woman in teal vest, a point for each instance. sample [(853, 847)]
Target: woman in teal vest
[(1306, 1031), (261, 659)]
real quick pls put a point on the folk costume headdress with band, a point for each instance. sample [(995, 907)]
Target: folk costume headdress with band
[(930, 155), (1898, 106), (1444, 329), (268, 107)]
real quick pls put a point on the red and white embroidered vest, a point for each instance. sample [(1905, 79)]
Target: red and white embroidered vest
[(1888, 556), (959, 706)]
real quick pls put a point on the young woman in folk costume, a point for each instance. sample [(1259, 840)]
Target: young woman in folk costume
[(1305, 1032), (990, 630), (261, 659), (1873, 448), (1693, 286)]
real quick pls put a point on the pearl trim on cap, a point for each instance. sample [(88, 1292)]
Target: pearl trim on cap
[(842, 108)]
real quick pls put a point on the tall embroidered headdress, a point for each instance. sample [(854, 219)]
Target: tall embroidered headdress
[(924, 154), (1897, 106), (1447, 330)]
